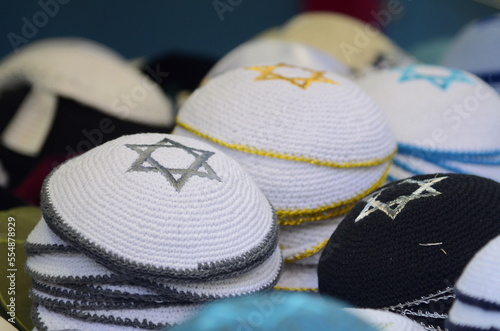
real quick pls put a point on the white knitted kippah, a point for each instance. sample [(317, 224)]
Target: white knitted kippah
[(302, 241), (45, 319), (312, 140), (132, 294), (477, 305), (426, 105), (57, 268), (73, 268), (290, 112), (329, 191), (63, 303), (151, 205), (147, 318), (386, 321), (70, 269), (298, 277), (445, 120), (42, 240), (89, 73), (270, 51), (263, 277)]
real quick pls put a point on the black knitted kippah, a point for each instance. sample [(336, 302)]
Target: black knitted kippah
[(403, 246)]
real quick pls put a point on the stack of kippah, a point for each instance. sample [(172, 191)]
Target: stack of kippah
[(137, 231), (444, 119), (403, 247), (312, 140), (477, 306)]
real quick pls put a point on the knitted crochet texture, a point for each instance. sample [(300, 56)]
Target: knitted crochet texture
[(444, 119), (403, 247), (140, 230)]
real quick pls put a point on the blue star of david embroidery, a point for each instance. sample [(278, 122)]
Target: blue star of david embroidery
[(441, 81), (146, 163)]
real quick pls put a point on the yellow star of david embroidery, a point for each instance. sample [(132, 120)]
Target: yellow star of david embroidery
[(267, 73)]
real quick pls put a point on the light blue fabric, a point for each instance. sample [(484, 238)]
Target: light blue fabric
[(275, 310)]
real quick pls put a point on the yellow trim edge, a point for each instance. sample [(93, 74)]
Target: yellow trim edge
[(307, 252), (299, 216), (298, 289), (285, 156)]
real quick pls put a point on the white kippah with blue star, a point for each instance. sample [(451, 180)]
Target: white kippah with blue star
[(444, 119)]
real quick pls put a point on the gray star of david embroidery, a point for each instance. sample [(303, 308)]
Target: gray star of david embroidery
[(394, 207), (199, 162)]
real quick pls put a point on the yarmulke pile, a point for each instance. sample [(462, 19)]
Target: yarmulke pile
[(312, 140), (402, 248), (444, 119), (477, 306), (138, 231), (270, 51)]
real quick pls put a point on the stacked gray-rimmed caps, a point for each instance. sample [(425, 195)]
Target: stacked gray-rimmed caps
[(141, 230)]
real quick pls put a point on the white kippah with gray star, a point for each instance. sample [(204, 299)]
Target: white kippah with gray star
[(139, 231)]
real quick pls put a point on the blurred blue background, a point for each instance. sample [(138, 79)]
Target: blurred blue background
[(137, 28)]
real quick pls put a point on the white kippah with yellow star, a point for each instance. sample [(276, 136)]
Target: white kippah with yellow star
[(311, 139)]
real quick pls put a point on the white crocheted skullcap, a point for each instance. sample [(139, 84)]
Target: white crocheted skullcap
[(437, 108), (56, 269), (298, 278), (302, 192), (134, 295), (61, 303), (477, 305), (89, 73), (301, 241), (43, 240), (271, 51), (260, 279), (292, 113), (356, 43), (152, 205), (47, 318), (69, 268), (385, 320)]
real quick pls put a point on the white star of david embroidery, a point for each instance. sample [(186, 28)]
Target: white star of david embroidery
[(394, 207)]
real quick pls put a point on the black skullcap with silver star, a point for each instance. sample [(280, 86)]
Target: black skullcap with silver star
[(403, 247)]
